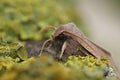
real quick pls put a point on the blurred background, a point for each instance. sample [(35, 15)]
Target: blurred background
[(102, 17), (32, 20)]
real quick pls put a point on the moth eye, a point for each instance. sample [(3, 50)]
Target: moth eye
[(61, 35)]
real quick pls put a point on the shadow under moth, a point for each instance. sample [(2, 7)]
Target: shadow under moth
[(69, 40)]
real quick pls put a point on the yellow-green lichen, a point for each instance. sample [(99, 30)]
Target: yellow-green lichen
[(13, 50), (23, 19), (46, 68)]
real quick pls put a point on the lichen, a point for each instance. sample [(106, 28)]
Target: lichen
[(23, 20), (46, 68), (13, 50)]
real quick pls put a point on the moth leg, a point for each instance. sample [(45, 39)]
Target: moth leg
[(63, 49), (49, 46), (44, 46)]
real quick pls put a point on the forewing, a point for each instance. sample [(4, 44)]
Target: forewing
[(72, 30)]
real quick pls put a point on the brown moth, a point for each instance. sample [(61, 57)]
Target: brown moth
[(73, 42), (69, 40)]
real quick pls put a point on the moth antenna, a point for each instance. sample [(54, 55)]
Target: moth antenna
[(63, 49), (47, 28), (44, 46)]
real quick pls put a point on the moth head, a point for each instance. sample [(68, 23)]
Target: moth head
[(70, 27), (58, 32)]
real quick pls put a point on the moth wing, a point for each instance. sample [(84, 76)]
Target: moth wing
[(72, 30)]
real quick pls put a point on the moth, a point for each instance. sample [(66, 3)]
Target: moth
[(69, 40)]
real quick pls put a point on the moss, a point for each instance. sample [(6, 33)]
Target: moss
[(46, 68), (88, 67), (13, 50), (6, 63), (23, 20), (43, 68)]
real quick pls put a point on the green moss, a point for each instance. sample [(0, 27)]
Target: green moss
[(86, 61), (88, 67), (21, 19), (43, 68), (6, 63), (46, 68), (13, 50)]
